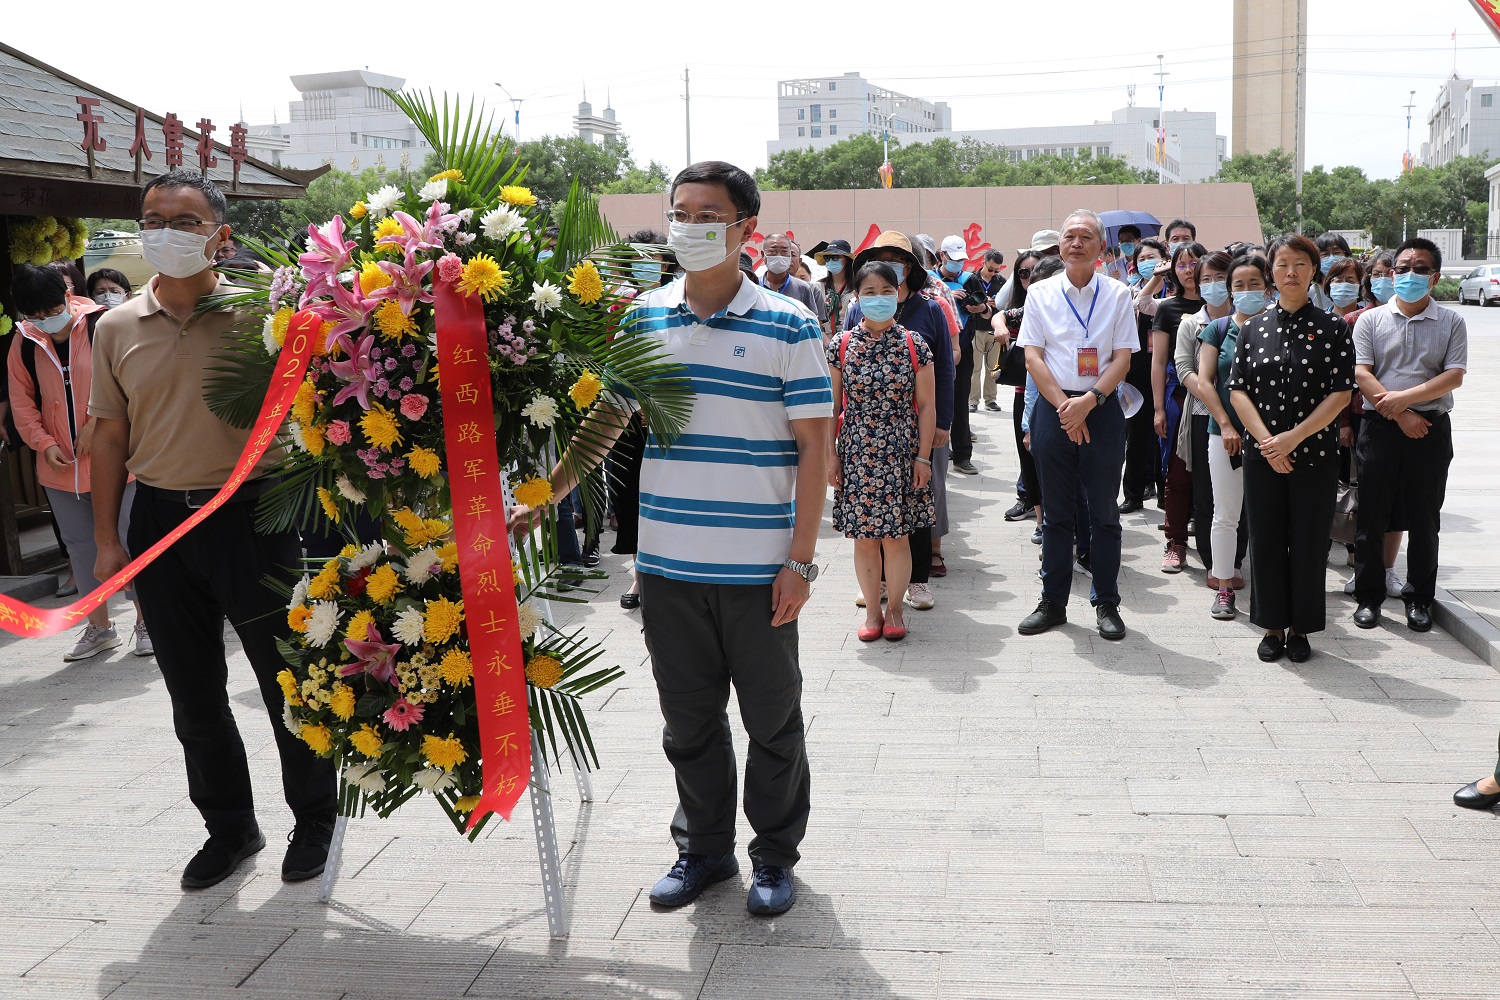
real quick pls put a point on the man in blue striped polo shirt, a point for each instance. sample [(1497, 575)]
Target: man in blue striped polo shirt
[(729, 520)]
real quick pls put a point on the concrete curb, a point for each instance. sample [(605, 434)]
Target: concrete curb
[(28, 588), (1467, 626)]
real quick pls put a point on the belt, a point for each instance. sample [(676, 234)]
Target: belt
[(193, 499)]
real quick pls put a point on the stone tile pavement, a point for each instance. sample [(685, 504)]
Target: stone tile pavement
[(994, 816)]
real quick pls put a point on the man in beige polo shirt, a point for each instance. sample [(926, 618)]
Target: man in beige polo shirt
[(151, 357)]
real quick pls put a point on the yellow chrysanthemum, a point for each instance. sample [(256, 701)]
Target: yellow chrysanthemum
[(444, 753), (359, 625), (586, 390), (514, 194), (322, 344), (466, 803), (281, 321), (380, 427), (366, 739), (457, 668), (288, 682), (358, 210), (543, 671), (585, 284), (442, 620), (424, 462), (384, 584), (386, 228), (325, 585), (534, 492), (392, 323), (350, 551), (320, 738), (330, 508), (418, 531), (449, 555), (305, 403), (371, 277), (315, 438), (341, 702), (296, 618), (447, 175), (483, 277)]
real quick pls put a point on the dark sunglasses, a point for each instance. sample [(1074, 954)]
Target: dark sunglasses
[(1023, 272), (1421, 269)]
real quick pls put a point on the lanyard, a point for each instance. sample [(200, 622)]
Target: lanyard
[(1094, 285)]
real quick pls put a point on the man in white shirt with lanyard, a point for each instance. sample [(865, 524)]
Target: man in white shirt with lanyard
[(1079, 330)]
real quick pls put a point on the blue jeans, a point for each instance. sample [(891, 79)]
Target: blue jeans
[(1066, 469), (568, 551)]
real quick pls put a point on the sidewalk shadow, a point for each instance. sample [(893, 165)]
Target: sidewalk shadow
[(1327, 669)]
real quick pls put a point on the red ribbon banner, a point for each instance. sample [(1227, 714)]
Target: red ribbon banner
[(484, 566), (1489, 12), (291, 368)]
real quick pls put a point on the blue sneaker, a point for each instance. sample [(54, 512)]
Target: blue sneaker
[(690, 876), (771, 891)]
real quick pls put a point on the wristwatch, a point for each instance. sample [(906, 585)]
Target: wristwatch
[(808, 571), (1101, 397)]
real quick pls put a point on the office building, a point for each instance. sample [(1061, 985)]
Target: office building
[(345, 119), (1270, 57), (1464, 121), (816, 113)]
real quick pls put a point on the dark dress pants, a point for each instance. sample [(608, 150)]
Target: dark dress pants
[(216, 571), (1290, 516), (1414, 471), (623, 469), (963, 374), (1064, 468), (703, 637), (1141, 458), (1027, 490)]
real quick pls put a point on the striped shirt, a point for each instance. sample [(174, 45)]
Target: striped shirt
[(719, 504)]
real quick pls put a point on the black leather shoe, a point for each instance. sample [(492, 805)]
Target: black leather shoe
[(1419, 617), (690, 876), (771, 891), (1298, 649), (307, 851), (1110, 624), (218, 858), (1046, 615), (1470, 797), (1131, 506), (630, 601), (1367, 616), (1020, 511), (1271, 648)]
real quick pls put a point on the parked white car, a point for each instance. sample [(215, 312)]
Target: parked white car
[(1481, 285)]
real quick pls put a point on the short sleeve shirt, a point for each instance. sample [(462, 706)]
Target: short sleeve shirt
[(1403, 353), (1288, 363), (1224, 336), (1055, 320)]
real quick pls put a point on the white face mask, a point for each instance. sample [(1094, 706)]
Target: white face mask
[(698, 246), (109, 299), (778, 265), (177, 255)]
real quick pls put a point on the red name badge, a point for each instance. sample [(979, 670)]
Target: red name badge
[(1088, 362)]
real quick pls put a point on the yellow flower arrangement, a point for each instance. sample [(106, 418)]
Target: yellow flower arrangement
[(341, 702), (424, 462), (535, 492), (544, 671), (514, 194), (281, 320), (448, 553), (442, 620), (358, 210), (326, 584), (359, 624), (366, 739), (385, 229), (330, 509), (288, 682), (586, 390), (457, 669), (585, 283), (483, 277), (380, 427), (314, 438), (383, 584), (466, 803), (320, 738), (444, 753), (321, 344), (371, 277), (416, 530), (447, 175), (305, 403), (392, 323), (296, 619), (350, 551)]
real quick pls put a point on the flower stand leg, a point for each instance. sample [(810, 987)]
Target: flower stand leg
[(335, 855), (585, 783), (546, 842)]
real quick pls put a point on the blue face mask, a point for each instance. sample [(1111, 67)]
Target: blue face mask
[(1215, 293), (544, 255), (1343, 292), (878, 308), (1411, 286), (1127, 249), (834, 264), (1383, 288), (900, 270), (53, 324), (1147, 268), (647, 273), (1249, 303), (953, 266), (1172, 248), (1331, 260)]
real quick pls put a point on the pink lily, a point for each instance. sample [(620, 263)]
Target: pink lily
[(327, 254), (358, 371), (348, 310), (407, 282), (376, 658)]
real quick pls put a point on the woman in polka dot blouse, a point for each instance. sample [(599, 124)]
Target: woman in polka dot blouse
[(1293, 373)]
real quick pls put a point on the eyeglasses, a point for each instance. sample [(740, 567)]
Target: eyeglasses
[(1023, 272), (701, 218), (1420, 269), (1188, 266), (177, 225)]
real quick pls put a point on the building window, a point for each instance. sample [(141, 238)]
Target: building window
[(801, 130), (1050, 151), (833, 112), (354, 138), (801, 114), (1068, 152), (833, 85), (833, 130), (1486, 100), (1101, 151), (817, 131), (817, 112)]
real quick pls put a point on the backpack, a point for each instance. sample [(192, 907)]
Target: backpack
[(911, 349)]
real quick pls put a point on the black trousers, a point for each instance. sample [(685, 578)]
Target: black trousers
[(1142, 460), (623, 470), (703, 637), (1027, 489), (215, 572), (1414, 472), (1290, 516), (963, 374)]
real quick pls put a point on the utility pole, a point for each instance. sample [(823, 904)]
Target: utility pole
[(687, 113), (1301, 97), (1161, 118), (515, 103), (1411, 102)]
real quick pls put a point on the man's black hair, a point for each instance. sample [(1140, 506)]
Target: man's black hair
[(740, 185), (186, 178), (1180, 224), (1329, 242), (996, 257), (1426, 246), (37, 289), (108, 274), (646, 236), (1128, 228)]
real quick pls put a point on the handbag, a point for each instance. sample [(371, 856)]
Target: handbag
[(1346, 508), (1012, 367)]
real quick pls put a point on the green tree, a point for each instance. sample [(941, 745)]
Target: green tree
[(650, 179), (1270, 178)]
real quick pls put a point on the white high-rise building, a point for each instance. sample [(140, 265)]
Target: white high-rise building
[(819, 111), (1464, 121), (346, 120)]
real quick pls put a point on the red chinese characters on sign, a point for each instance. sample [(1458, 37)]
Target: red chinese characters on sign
[(206, 157), (139, 147), (171, 133), (238, 150), (92, 140)]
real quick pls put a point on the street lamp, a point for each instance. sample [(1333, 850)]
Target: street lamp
[(1411, 102), (886, 175), (515, 103)]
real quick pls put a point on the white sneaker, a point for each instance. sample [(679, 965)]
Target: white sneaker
[(1349, 587), (859, 598), (143, 645), (919, 597), (1393, 584), (93, 641)]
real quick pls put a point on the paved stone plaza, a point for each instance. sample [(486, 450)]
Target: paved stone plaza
[(994, 816)]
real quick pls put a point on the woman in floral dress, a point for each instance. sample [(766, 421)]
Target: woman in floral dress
[(882, 463)]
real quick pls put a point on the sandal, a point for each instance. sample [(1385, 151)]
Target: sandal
[(938, 567), (872, 633)]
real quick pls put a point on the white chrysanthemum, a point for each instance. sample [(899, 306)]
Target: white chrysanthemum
[(541, 411), (433, 190), (299, 592), (528, 619), (501, 223), (464, 215), (268, 338), (419, 568), (323, 623), (348, 490), (432, 779), (383, 202), (464, 239), (408, 627), (366, 776), (545, 295), (367, 557), (289, 720), (296, 430)]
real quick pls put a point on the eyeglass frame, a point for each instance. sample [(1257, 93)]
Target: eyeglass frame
[(1420, 270), (696, 218), (176, 225)]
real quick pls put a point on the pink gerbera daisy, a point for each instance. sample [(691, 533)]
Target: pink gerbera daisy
[(403, 715)]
